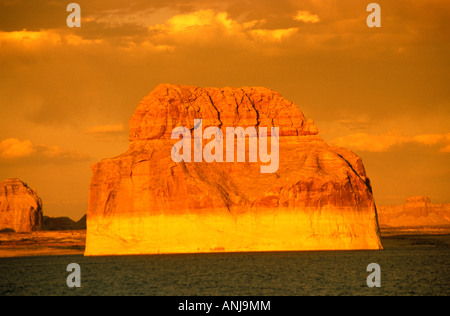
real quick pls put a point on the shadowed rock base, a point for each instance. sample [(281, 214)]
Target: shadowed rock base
[(264, 230)]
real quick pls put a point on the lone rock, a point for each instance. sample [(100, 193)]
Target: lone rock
[(142, 202), (20, 207)]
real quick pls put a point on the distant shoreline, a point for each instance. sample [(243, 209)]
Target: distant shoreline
[(387, 231), (59, 243), (42, 243)]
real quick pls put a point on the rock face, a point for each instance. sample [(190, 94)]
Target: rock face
[(142, 202), (418, 214), (20, 207)]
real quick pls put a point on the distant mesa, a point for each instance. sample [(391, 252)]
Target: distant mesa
[(63, 223), (142, 202), (419, 206), (20, 207), (418, 215)]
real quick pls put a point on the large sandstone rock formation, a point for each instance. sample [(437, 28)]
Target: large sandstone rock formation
[(142, 202), (417, 215), (20, 207)]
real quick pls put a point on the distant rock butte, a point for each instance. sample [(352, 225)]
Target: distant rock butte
[(20, 207), (144, 203), (63, 223), (418, 213)]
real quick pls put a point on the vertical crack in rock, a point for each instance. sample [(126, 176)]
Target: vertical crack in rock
[(254, 108), (355, 172), (224, 195), (218, 112), (378, 222), (237, 111)]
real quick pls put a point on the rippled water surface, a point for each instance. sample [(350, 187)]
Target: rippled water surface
[(403, 272)]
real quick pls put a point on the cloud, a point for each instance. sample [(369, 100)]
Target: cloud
[(390, 140), (307, 17), (276, 35), (28, 39), (13, 149), (37, 15), (200, 18), (370, 143), (431, 139), (106, 129), (355, 124), (115, 132), (198, 21), (211, 26), (55, 152), (445, 149)]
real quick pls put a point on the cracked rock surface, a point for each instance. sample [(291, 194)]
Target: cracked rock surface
[(142, 202), (20, 207)]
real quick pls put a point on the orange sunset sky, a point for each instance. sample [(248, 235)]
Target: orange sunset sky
[(66, 94)]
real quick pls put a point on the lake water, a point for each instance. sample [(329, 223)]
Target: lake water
[(403, 272)]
